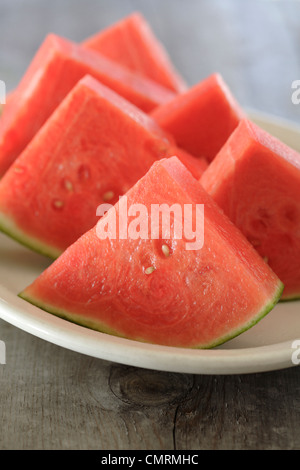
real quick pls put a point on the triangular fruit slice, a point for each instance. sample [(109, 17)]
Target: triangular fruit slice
[(255, 179), (56, 68), (129, 282), (91, 150), (131, 42), (197, 166), (202, 118)]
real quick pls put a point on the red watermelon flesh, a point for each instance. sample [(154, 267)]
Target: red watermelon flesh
[(196, 166), (92, 149), (56, 68), (255, 179), (202, 118), (137, 289), (132, 43)]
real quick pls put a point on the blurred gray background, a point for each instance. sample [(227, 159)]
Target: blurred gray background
[(254, 44)]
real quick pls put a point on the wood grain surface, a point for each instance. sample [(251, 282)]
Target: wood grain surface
[(52, 398)]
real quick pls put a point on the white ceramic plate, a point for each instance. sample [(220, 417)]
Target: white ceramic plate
[(267, 346)]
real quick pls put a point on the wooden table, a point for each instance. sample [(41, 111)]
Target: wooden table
[(52, 398)]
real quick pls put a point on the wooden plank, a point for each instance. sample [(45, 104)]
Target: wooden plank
[(52, 398), (243, 412)]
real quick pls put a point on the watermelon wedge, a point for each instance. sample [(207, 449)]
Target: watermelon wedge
[(92, 149), (56, 68), (255, 179), (132, 43), (157, 290), (202, 118), (196, 166)]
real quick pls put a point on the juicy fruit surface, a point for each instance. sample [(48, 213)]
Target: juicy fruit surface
[(131, 42), (255, 179), (54, 71), (197, 166), (138, 289), (94, 147), (152, 290), (202, 118)]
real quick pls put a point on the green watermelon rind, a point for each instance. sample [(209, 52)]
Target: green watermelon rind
[(102, 328), (86, 323), (9, 228), (255, 320)]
